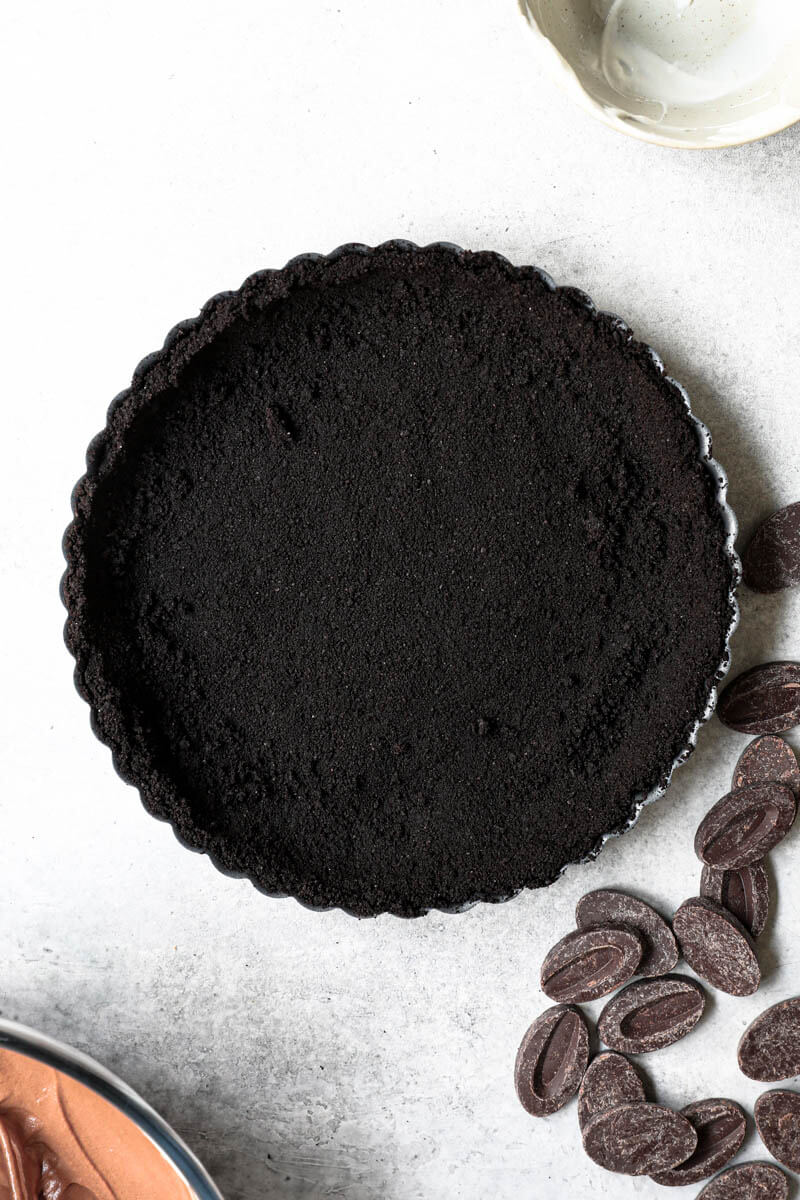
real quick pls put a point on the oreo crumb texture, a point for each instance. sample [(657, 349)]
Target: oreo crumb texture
[(396, 579)]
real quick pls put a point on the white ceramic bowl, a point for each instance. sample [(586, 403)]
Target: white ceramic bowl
[(698, 74)]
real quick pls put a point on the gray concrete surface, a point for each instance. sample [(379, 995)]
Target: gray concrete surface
[(158, 154)]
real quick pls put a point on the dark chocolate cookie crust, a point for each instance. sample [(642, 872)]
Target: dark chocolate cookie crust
[(397, 579)]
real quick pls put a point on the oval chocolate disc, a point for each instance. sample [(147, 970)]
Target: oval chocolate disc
[(609, 1082), (778, 1123), (717, 947), (771, 560), (743, 892), (767, 759), (769, 1049), (748, 1181), (607, 905), (651, 1013), (639, 1139), (721, 1127), (744, 825), (551, 1060), (589, 963), (765, 699)]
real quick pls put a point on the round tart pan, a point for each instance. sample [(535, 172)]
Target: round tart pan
[(328, 831)]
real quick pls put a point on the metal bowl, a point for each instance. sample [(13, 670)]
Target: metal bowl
[(91, 1074)]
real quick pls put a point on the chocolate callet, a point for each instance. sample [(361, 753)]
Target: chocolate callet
[(551, 1060), (606, 904), (765, 699), (743, 891), (748, 1181), (771, 560), (717, 946), (778, 1123), (589, 963), (769, 1049), (639, 1139), (651, 1013), (768, 759), (744, 825), (721, 1127), (610, 1081)]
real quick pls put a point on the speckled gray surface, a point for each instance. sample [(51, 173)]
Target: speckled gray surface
[(163, 153)]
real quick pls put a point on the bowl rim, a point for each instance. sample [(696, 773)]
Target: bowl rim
[(32, 1043), (716, 473), (566, 79)]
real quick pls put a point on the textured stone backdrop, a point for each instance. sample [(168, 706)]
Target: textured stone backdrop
[(161, 153)]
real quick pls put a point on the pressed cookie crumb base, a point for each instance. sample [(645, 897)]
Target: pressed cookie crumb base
[(396, 579)]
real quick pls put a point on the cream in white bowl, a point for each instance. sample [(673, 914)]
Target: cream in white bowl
[(694, 73)]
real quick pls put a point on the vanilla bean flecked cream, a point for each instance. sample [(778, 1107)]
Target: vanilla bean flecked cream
[(684, 52)]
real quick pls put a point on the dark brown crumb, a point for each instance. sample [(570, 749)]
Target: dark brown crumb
[(396, 579)]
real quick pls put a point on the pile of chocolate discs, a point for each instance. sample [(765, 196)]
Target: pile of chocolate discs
[(620, 942)]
